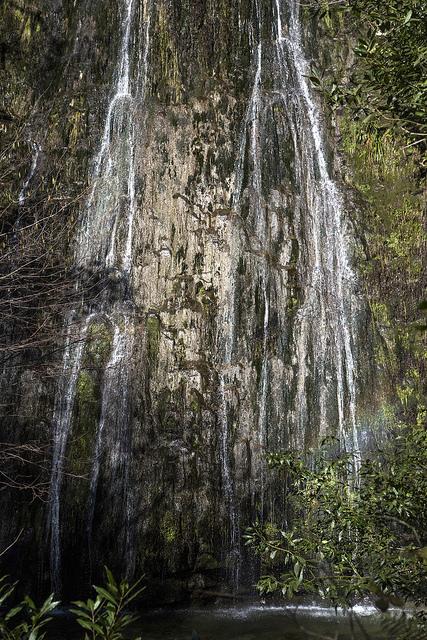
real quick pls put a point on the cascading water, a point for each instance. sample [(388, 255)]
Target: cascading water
[(252, 146), (112, 438), (112, 202), (105, 242), (323, 335), (261, 231), (324, 328), (228, 336)]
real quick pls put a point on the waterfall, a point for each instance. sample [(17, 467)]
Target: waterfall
[(323, 334), (257, 204), (324, 327), (250, 128), (261, 230), (105, 241)]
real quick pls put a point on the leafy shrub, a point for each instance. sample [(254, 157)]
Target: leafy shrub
[(349, 539), (106, 617), (387, 82), (25, 621)]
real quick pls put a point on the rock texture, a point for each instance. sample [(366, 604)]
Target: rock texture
[(219, 311)]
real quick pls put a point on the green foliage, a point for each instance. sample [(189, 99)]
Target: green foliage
[(393, 217), (25, 621), (387, 85), (393, 53), (106, 617), (168, 528), (381, 100), (349, 539)]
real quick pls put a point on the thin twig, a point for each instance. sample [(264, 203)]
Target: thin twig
[(11, 545)]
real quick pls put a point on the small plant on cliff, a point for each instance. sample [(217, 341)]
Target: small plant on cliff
[(348, 539), (387, 82), (106, 617)]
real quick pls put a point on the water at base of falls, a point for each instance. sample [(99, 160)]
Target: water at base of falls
[(249, 622)]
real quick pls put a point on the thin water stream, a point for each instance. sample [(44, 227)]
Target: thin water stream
[(62, 420), (36, 150)]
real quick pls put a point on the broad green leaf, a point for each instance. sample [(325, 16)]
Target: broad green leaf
[(13, 612), (105, 594), (408, 17)]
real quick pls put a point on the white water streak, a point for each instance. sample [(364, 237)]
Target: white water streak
[(112, 434), (229, 321), (112, 203)]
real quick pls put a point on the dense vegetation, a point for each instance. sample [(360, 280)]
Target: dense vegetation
[(375, 86), (347, 538), (387, 86)]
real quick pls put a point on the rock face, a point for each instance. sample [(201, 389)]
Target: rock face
[(226, 318)]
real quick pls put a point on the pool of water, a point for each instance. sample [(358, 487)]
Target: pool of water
[(253, 622)]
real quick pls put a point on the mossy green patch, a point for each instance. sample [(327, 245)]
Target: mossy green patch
[(85, 387), (99, 345), (386, 176), (207, 562), (168, 528), (206, 295), (167, 62), (393, 218), (152, 326)]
